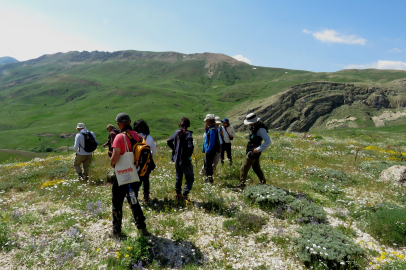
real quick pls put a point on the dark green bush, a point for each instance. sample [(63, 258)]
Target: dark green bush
[(268, 197), (325, 247), (389, 226), (308, 212), (336, 176), (138, 253), (244, 223), (216, 204), (4, 235), (181, 233)]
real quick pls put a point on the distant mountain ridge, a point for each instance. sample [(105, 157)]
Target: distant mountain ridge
[(7, 60), (51, 94)]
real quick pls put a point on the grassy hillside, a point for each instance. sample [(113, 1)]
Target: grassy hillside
[(324, 208), (49, 95)]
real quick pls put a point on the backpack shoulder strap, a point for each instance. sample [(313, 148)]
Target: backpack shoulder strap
[(132, 140)]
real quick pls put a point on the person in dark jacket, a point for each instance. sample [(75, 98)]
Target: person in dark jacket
[(258, 142), (181, 143), (141, 127), (112, 134)]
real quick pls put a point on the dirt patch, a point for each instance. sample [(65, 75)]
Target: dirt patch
[(46, 135), (67, 135), (387, 116), (339, 122)]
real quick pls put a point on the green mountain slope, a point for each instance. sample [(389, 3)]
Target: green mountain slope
[(49, 95)]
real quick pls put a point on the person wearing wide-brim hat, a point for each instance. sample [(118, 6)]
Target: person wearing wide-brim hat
[(259, 133)]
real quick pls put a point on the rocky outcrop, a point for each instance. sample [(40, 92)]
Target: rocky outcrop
[(394, 174), (298, 107)]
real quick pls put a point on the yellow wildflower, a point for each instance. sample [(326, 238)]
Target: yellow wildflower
[(401, 256), (130, 248), (118, 253), (118, 257), (378, 259), (127, 255), (383, 253), (98, 249)]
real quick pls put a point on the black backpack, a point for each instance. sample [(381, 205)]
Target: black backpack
[(90, 142)]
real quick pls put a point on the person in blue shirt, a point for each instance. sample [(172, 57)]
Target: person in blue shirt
[(211, 146), (181, 143)]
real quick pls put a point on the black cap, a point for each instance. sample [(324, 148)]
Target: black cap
[(123, 118)]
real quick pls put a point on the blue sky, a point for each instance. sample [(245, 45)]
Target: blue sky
[(326, 35)]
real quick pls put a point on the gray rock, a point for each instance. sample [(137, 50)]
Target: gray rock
[(395, 174)]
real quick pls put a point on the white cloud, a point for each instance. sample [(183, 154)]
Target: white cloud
[(331, 36), (381, 64), (27, 36), (395, 50), (241, 58)]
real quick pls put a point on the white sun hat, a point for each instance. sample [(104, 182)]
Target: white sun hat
[(80, 125), (218, 119), (251, 118), (209, 117)]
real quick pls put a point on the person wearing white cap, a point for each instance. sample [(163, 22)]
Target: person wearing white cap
[(218, 155), (84, 145), (211, 146), (259, 133)]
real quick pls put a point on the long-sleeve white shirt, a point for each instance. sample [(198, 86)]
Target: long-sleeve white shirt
[(267, 141), (150, 141), (230, 131), (80, 142)]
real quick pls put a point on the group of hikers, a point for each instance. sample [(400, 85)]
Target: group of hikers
[(217, 140)]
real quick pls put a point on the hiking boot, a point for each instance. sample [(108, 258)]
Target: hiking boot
[(115, 235), (210, 179), (179, 197), (144, 232), (238, 188), (186, 198), (86, 177), (263, 182), (147, 200)]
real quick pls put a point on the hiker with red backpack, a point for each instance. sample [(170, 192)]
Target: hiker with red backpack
[(141, 127), (85, 144), (181, 143), (120, 192)]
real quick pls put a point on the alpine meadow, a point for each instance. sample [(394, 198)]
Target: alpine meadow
[(336, 168)]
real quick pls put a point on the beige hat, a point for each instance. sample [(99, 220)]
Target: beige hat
[(218, 120), (210, 117), (81, 125), (251, 118)]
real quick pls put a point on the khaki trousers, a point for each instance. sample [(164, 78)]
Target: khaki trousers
[(86, 160), (247, 164)]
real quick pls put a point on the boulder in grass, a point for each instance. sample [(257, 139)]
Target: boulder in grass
[(394, 174)]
